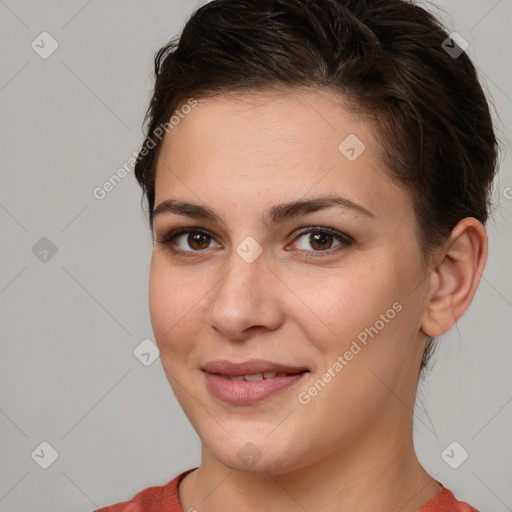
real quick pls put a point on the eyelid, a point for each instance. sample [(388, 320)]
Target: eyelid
[(346, 240), (324, 229), (168, 237)]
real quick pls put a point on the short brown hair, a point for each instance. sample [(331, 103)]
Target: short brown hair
[(385, 56)]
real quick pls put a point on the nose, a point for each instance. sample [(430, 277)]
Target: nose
[(248, 298)]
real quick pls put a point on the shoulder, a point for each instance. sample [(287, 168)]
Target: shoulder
[(153, 499), (445, 501)]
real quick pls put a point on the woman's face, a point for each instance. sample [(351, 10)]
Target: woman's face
[(335, 312)]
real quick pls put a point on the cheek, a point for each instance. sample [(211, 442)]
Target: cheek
[(174, 304), (344, 303)]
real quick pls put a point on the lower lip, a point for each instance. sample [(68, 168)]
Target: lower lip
[(244, 392)]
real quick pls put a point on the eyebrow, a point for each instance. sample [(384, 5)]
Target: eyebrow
[(273, 216)]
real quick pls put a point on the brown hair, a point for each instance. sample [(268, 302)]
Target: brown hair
[(386, 56)]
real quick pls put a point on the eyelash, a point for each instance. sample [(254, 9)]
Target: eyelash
[(346, 241)]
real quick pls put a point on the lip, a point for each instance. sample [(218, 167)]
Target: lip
[(242, 392), (232, 369)]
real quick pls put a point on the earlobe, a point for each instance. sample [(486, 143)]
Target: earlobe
[(454, 281)]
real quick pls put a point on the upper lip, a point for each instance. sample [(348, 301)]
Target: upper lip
[(234, 369)]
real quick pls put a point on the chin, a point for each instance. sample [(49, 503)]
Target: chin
[(250, 459), (250, 454)]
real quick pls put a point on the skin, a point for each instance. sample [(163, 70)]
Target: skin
[(350, 448)]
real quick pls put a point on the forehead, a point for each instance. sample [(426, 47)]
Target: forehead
[(278, 145), (265, 119)]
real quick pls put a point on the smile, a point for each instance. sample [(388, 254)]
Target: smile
[(250, 382)]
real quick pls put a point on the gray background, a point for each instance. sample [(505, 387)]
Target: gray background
[(70, 324)]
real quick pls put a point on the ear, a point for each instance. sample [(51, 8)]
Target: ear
[(454, 281)]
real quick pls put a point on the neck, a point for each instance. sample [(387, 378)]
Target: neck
[(378, 472)]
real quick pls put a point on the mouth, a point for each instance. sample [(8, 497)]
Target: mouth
[(256, 376), (251, 381)]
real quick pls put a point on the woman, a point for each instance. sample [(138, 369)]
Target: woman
[(317, 175)]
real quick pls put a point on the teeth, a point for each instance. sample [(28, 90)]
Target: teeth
[(259, 376), (254, 376)]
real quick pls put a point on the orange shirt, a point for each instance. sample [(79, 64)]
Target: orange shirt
[(165, 499)]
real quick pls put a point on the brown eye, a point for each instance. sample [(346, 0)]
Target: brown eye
[(192, 241), (198, 241), (187, 240), (321, 239)]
